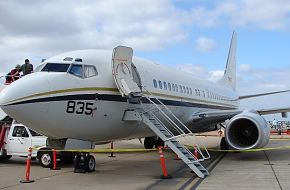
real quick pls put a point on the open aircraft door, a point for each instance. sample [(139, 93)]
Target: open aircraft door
[(124, 72)]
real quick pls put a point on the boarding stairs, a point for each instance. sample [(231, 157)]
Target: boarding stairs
[(152, 112), (152, 118)]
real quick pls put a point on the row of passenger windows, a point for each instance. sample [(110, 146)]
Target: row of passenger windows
[(187, 90), (83, 71)]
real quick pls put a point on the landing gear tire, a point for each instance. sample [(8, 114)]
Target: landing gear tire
[(84, 163), (45, 159), (224, 145), (159, 142), (90, 163), (149, 142)]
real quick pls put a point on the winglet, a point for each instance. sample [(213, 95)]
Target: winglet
[(229, 78)]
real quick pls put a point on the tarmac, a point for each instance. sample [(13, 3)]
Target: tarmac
[(142, 170)]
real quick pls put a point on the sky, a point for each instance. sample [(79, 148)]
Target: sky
[(192, 36)]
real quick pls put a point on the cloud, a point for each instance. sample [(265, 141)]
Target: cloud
[(244, 67), (204, 44), (268, 15), (214, 76), (42, 29)]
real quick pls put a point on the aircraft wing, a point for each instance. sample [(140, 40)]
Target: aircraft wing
[(283, 111), (220, 116), (262, 94)]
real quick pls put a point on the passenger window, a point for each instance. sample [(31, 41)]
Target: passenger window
[(165, 85), (184, 91), (90, 71), (19, 131), (180, 88), (160, 84), (190, 91), (155, 83), (173, 87), (169, 86), (76, 70), (176, 87)]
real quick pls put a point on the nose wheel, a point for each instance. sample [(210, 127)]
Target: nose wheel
[(84, 162)]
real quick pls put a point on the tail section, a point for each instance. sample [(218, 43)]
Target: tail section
[(229, 78)]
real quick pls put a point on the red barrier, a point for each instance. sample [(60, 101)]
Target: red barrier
[(163, 166), (27, 171), (54, 160), (195, 152), (112, 153)]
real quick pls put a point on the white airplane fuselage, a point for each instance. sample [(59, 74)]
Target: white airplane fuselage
[(62, 105)]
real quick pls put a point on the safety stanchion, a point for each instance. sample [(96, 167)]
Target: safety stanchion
[(112, 153), (195, 152), (54, 160), (27, 171), (163, 166)]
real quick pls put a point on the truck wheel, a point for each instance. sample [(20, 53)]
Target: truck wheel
[(45, 159), (90, 163)]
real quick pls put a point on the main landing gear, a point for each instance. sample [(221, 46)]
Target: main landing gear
[(84, 162), (150, 142)]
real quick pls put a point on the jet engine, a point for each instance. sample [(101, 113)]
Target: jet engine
[(247, 130)]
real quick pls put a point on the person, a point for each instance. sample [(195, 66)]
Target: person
[(13, 75), (27, 67)]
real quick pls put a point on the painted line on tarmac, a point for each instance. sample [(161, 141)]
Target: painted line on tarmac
[(195, 181)]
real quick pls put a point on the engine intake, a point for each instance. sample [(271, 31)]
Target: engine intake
[(247, 130)]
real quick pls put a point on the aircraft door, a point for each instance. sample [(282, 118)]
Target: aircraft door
[(122, 69)]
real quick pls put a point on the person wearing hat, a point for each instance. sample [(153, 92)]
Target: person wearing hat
[(13, 75), (27, 67)]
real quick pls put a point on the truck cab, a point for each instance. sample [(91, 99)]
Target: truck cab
[(18, 139)]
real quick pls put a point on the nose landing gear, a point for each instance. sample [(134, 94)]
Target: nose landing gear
[(84, 162)]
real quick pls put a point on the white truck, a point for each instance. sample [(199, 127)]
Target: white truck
[(15, 140)]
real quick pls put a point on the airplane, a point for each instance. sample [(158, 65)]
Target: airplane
[(86, 97)]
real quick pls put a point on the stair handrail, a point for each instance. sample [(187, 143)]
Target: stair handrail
[(182, 133), (167, 109)]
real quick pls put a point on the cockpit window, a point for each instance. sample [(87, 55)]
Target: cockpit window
[(55, 67), (76, 70), (38, 68), (90, 71)]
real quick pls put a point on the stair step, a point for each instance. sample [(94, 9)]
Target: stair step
[(161, 130)]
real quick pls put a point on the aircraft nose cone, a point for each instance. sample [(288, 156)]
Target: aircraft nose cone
[(6, 95), (14, 96), (3, 98)]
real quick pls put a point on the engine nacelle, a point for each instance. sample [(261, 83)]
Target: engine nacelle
[(247, 130)]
